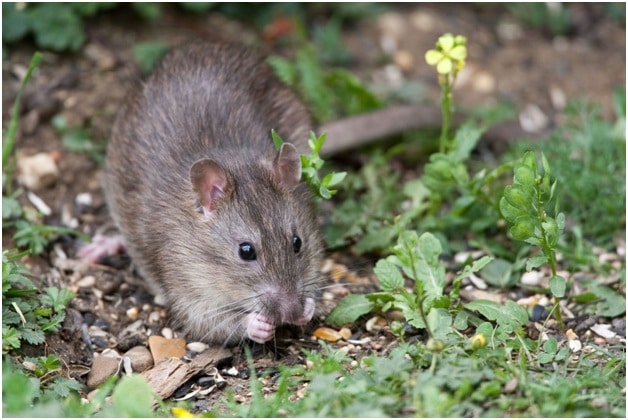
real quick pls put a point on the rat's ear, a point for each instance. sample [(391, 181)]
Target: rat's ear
[(210, 183), (287, 167)]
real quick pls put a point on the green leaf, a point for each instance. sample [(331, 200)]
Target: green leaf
[(612, 304), (510, 315), (551, 346), (10, 336), (510, 212), (349, 309), (545, 358), (536, 261), (498, 273), (146, 10), (15, 22), (31, 336), (461, 321), (529, 160), (277, 140), (62, 386), (56, 26), (390, 278), (466, 138), (524, 228), (519, 196), (147, 54), (558, 286), (440, 321), (334, 178), (284, 69), (133, 397), (524, 176), (10, 208)]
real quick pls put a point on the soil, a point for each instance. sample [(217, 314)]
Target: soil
[(526, 67)]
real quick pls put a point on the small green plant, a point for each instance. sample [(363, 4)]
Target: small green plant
[(8, 140), (330, 94), (78, 139), (28, 232), (147, 54), (27, 314), (525, 205), (311, 164), (448, 198), (588, 155), (55, 26)]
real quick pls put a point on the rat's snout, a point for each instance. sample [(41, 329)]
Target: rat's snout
[(288, 307)]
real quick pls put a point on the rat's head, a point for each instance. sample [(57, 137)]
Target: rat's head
[(263, 248)]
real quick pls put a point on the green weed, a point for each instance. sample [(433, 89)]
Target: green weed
[(588, 156), (28, 232), (311, 164), (330, 94), (78, 139), (525, 205)]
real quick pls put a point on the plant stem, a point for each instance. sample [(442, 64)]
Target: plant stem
[(9, 140), (446, 110), (420, 295), (551, 259)]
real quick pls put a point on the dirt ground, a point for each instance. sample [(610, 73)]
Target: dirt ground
[(536, 72)]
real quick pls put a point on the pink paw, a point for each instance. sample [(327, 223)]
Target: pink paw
[(308, 312), (101, 246), (259, 328)]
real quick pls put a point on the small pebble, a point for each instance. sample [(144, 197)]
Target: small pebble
[(164, 348), (102, 369), (40, 204), (327, 266), (83, 199), (404, 60), (478, 282), (532, 278), (338, 271), (154, 317), (232, 371), (345, 333), (327, 334), (603, 330), (38, 171), (132, 313), (533, 119), (87, 282), (104, 59), (375, 323), (557, 97), (167, 332), (141, 358), (197, 347)]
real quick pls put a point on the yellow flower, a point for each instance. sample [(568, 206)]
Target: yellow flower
[(182, 413), (450, 51)]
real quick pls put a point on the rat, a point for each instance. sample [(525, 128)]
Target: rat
[(214, 217)]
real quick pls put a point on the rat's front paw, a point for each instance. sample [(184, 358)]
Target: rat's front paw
[(100, 247), (259, 328), (308, 312)]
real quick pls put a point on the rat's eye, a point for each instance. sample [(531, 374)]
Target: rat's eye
[(247, 252), (296, 243)]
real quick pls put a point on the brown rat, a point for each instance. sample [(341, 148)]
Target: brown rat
[(210, 211)]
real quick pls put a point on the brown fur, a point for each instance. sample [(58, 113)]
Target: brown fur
[(215, 102)]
